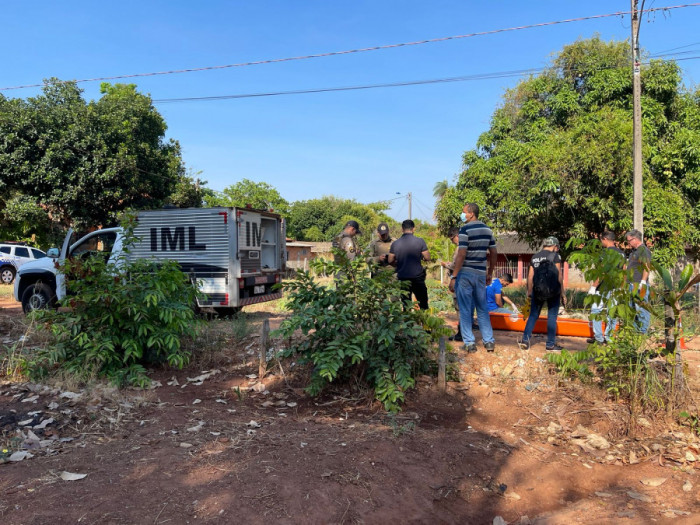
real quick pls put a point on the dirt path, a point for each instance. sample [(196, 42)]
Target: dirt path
[(498, 444)]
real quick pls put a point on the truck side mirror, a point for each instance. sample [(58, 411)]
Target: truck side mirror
[(53, 253)]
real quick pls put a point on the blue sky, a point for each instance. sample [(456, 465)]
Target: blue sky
[(366, 144)]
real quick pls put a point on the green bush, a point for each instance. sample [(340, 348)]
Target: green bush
[(357, 329), (118, 320), (439, 296), (625, 366)]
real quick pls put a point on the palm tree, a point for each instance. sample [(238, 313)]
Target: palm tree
[(440, 188)]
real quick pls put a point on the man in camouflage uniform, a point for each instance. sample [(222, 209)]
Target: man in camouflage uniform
[(378, 250), (345, 241)]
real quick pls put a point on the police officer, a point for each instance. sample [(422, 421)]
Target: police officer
[(345, 240), (378, 250)]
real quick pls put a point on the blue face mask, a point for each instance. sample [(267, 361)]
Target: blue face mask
[(463, 217)]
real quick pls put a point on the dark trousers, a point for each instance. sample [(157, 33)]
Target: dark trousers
[(417, 288), (552, 312)]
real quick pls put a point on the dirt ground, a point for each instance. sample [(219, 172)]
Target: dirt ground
[(214, 444)]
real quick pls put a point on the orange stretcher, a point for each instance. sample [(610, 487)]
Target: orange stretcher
[(565, 326)]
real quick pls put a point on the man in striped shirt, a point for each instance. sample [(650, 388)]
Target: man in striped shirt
[(472, 274)]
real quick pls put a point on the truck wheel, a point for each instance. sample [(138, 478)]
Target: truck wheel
[(7, 274), (37, 297), (227, 313)]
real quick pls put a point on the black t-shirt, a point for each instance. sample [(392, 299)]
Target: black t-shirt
[(408, 250), (542, 255), (636, 258), (545, 254)]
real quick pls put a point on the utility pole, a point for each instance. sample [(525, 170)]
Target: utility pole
[(410, 202), (638, 217)]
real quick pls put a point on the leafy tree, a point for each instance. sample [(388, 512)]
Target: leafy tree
[(83, 162), (191, 192), (22, 219), (358, 330), (322, 219), (259, 195), (118, 324), (557, 157)]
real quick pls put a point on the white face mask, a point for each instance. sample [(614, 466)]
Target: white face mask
[(463, 217)]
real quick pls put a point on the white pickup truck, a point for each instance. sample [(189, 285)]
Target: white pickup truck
[(236, 255)]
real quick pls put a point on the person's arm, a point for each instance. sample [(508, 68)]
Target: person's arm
[(425, 253), (561, 283), (646, 261), (511, 303), (499, 299), (459, 261), (493, 258), (371, 253), (530, 274), (348, 246)]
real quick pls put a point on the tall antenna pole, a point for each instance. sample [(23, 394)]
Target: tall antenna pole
[(638, 217), (410, 202)]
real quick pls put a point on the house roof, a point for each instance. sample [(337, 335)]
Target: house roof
[(509, 244), (298, 244)]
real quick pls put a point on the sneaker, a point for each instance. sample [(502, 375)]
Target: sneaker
[(455, 337), (592, 341), (554, 348), (470, 348), (524, 345), (490, 347)]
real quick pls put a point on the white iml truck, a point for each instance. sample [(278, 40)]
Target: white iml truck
[(236, 255)]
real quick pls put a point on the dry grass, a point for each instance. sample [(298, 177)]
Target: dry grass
[(6, 291)]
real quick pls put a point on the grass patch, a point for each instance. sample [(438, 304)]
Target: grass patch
[(6, 291)]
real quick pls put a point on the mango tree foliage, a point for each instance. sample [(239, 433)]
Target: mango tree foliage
[(557, 159), (259, 195), (84, 162), (324, 218)]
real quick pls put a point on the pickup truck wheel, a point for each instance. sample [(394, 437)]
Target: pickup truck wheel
[(227, 313), (7, 274), (37, 297)]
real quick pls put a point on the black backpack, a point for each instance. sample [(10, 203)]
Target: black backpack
[(545, 281)]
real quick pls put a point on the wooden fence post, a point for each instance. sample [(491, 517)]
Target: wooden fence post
[(442, 384), (262, 369)]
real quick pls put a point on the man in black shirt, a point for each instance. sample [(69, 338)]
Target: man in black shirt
[(639, 261), (548, 255), (406, 253), (607, 239)]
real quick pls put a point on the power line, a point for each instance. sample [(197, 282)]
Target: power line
[(485, 76), (480, 76), (365, 49), (426, 215)]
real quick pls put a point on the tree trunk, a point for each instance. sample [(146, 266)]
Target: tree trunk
[(669, 328)]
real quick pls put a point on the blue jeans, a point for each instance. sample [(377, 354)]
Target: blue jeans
[(643, 318), (471, 294), (597, 324), (503, 310), (552, 312)]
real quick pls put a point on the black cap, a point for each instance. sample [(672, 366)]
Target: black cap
[(383, 228), (355, 225)]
